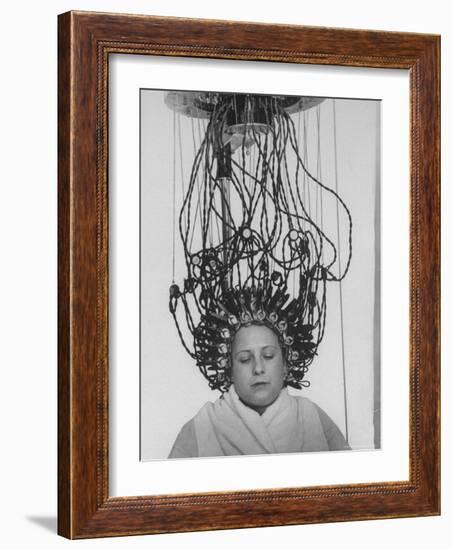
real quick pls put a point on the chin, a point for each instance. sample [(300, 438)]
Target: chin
[(263, 401)]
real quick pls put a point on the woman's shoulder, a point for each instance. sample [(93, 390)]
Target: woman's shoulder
[(306, 405), (336, 440), (186, 443)]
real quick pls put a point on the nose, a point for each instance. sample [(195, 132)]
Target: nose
[(259, 367)]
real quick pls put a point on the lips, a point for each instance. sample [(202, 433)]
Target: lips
[(260, 383)]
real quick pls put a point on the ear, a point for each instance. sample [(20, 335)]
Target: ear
[(285, 368)]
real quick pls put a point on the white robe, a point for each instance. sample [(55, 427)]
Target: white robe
[(228, 427)]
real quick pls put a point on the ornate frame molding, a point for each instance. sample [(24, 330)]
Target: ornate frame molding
[(85, 42)]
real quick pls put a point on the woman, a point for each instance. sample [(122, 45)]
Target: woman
[(258, 415), (259, 254)]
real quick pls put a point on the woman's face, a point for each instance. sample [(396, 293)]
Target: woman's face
[(258, 366)]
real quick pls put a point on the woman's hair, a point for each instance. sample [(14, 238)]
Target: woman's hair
[(214, 335)]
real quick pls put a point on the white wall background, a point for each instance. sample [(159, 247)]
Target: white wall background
[(28, 274)]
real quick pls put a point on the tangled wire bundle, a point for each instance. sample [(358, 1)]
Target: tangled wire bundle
[(255, 242)]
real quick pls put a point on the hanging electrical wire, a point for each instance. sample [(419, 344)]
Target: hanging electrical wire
[(250, 233)]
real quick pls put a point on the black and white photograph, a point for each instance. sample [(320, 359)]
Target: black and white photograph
[(224, 232), (259, 274)]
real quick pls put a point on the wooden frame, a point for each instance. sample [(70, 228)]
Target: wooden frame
[(85, 42)]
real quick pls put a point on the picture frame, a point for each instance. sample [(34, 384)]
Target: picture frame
[(85, 507)]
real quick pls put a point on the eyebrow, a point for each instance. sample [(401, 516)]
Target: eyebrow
[(265, 348)]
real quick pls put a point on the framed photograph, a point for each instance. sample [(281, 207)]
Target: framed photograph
[(248, 275), (277, 232)]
